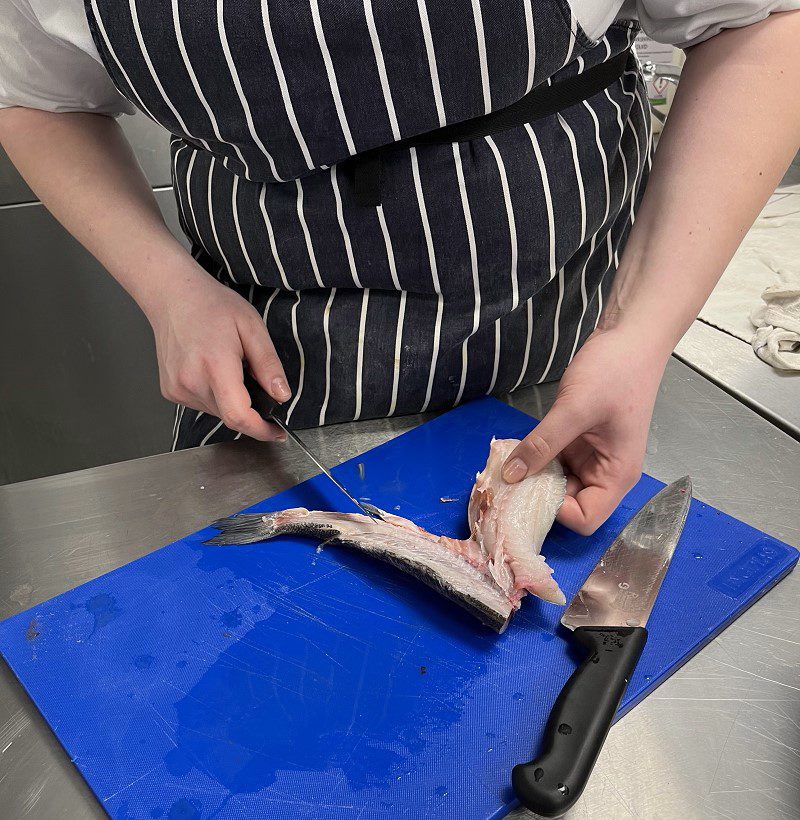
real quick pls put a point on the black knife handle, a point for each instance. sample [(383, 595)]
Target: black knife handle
[(580, 720), (261, 401)]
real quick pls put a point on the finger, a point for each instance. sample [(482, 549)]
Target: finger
[(562, 425), (204, 408), (193, 402), (574, 485), (264, 362), (275, 432), (575, 455), (233, 403), (589, 508)]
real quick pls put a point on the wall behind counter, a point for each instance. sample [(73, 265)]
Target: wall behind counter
[(78, 375)]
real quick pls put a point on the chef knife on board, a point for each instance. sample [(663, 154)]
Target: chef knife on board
[(608, 616), (265, 406)]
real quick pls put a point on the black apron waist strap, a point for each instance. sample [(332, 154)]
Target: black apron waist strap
[(543, 101)]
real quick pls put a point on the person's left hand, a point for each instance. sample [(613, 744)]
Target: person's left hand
[(597, 427)]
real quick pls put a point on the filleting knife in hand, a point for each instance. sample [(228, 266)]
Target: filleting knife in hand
[(608, 616), (265, 406)]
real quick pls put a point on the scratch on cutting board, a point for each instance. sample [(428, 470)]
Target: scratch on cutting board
[(135, 780)]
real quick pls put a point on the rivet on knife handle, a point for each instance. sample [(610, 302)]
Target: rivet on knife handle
[(580, 720)]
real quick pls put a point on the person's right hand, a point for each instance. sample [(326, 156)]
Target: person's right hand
[(204, 333)]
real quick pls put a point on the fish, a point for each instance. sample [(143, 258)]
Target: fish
[(442, 563), (488, 573), (510, 522)]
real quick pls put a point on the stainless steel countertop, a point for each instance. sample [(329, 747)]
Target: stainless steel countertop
[(732, 364), (720, 739)]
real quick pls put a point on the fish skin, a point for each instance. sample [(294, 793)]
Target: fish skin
[(487, 574)]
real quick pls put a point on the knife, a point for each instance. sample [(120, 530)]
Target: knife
[(608, 616), (265, 406)]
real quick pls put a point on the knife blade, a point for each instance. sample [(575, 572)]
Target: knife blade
[(265, 406), (607, 616)]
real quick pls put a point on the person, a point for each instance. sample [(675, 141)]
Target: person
[(393, 216)]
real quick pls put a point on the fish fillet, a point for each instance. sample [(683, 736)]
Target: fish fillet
[(488, 573), (510, 522)]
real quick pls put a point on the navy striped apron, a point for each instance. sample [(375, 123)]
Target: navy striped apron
[(484, 266)]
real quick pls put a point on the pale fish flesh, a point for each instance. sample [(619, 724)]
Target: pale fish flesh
[(488, 573)]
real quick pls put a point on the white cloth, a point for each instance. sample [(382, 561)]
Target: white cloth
[(49, 61), (777, 322)]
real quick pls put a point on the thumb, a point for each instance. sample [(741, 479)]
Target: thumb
[(264, 362), (560, 427)]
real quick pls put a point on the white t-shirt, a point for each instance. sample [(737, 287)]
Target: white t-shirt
[(48, 59)]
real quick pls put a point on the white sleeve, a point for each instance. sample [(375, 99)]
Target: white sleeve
[(685, 23), (48, 60)]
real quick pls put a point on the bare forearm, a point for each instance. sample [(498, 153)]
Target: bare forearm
[(733, 129), (84, 171)]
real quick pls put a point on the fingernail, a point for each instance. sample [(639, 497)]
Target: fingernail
[(515, 470), (280, 389)]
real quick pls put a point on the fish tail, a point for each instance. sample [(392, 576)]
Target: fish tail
[(247, 528)]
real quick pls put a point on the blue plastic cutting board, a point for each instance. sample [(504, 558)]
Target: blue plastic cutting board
[(273, 681)]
